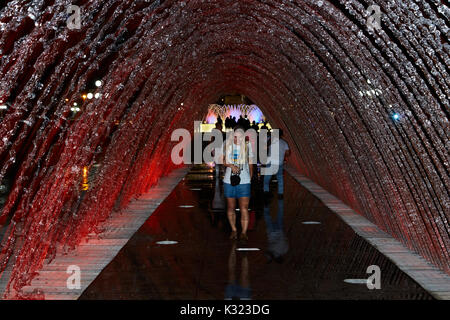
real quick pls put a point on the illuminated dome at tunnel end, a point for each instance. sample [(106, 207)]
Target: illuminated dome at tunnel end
[(96, 96)]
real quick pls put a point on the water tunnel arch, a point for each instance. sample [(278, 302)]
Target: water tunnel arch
[(313, 67)]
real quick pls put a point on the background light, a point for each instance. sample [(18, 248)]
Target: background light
[(167, 242), (396, 116), (90, 96), (311, 222), (3, 107), (98, 83)]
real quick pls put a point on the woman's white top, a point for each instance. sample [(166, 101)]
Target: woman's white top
[(232, 157)]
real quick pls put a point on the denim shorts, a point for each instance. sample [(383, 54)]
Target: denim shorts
[(239, 191)]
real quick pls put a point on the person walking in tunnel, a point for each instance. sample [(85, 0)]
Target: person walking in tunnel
[(233, 122), (219, 120), (218, 129), (278, 154), (227, 123), (241, 122), (246, 122), (237, 180), (255, 126)]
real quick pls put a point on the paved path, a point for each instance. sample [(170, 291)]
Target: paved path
[(300, 249)]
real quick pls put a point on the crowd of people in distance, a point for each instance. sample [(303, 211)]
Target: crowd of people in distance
[(243, 122)]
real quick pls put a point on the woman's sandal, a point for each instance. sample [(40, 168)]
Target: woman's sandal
[(244, 237), (233, 235)]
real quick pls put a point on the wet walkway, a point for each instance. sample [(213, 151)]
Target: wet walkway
[(299, 250)]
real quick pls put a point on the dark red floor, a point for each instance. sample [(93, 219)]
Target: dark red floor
[(205, 264)]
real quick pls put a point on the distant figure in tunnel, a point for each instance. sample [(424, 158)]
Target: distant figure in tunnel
[(219, 120), (246, 122), (276, 162), (255, 126), (233, 122), (218, 129), (237, 180), (241, 122), (226, 122)]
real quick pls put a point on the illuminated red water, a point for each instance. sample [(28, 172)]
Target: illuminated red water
[(310, 65)]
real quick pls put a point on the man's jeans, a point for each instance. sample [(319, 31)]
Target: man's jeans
[(279, 178), (217, 170)]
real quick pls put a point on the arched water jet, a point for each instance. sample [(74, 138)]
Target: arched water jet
[(304, 63)]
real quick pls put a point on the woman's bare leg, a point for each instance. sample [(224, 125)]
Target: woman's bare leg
[(231, 213), (243, 206)]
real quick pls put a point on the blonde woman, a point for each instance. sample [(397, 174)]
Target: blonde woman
[(237, 155)]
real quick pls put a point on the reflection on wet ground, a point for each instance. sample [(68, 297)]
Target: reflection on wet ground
[(297, 249)]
